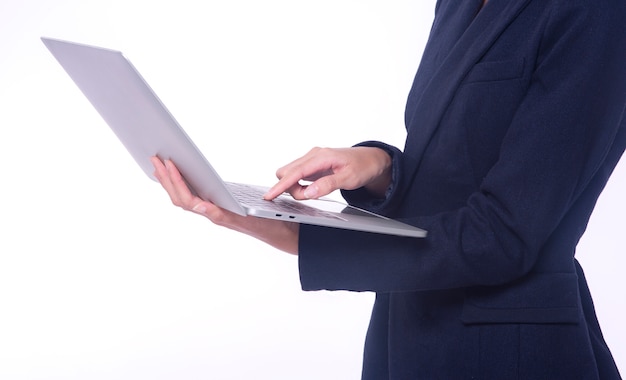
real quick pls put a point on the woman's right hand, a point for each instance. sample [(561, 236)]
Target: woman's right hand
[(330, 169)]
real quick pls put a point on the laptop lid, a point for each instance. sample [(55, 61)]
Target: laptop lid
[(129, 106)]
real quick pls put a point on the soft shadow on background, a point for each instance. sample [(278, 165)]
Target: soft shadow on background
[(101, 277)]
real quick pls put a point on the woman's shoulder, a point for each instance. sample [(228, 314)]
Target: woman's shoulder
[(604, 19), (612, 11)]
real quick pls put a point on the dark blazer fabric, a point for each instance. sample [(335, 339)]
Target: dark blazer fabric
[(514, 122)]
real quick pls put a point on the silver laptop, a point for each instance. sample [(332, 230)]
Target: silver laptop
[(146, 128)]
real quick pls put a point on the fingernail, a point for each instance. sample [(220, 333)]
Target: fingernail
[(199, 208), (310, 191)]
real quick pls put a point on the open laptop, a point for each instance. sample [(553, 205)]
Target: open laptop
[(146, 128)]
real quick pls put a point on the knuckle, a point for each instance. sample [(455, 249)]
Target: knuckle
[(218, 217), (332, 182), (316, 151), (178, 201)]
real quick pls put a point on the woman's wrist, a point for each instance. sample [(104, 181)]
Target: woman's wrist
[(379, 185)]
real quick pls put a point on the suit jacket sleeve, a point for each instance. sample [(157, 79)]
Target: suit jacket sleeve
[(566, 136)]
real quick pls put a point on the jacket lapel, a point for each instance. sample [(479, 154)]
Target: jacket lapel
[(438, 92)]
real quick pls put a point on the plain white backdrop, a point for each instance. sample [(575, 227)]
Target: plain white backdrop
[(101, 277)]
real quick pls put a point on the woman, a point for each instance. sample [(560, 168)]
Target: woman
[(515, 122)]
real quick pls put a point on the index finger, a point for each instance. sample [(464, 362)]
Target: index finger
[(317, 164), (289, 183)]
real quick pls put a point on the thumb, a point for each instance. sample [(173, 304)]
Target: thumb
[(321, 187)]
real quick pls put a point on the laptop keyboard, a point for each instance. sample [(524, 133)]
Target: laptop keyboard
[(253, 197)]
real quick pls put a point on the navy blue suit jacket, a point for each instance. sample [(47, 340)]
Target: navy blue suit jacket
[(514, 123)]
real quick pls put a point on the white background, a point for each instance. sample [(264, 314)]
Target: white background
[(101, 277)]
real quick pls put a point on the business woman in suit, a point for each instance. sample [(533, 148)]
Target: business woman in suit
[(515, 122)]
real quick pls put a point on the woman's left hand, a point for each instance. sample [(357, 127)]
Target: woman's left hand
[(279, 234)]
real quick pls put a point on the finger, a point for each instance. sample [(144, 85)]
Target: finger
[(159, 168), (288, 184), (297, 162), (162, 175), (311, 167), (318, 161), (171, 179), (174, 184), (182, 193), (321, 187)]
